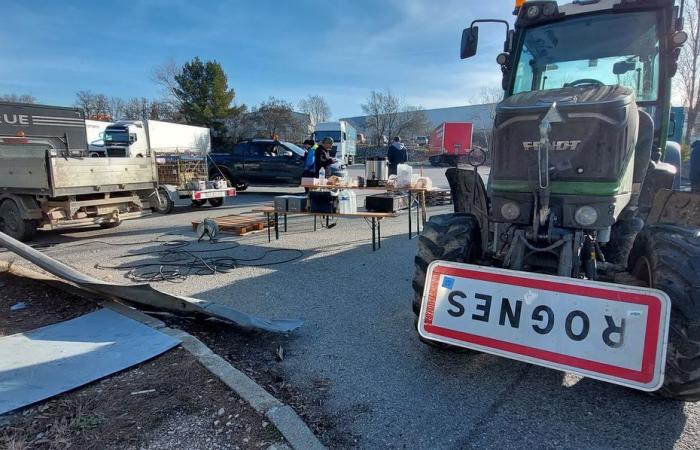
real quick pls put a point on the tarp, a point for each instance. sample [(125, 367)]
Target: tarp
[(147, 295), (47, 361)]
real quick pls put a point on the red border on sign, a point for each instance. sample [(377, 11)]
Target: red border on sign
[(644, 375)]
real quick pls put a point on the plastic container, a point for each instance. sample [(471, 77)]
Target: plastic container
[(322, 175), (344, 206), (404, 174)]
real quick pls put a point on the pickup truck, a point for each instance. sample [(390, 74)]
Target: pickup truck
[(259, 162)]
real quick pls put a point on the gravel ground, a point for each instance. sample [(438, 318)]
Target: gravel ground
[(384, 387)]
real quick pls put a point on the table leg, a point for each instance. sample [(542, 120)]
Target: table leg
[(417, 219), (269, 224), (410, 211), (425, 211), (374, 242), (277, 228), (285, 222), (314, 222), (379, 233), (327, 221)]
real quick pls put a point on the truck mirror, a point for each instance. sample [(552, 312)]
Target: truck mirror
[(470, 40)]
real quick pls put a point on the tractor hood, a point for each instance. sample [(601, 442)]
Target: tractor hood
[(593, 143)]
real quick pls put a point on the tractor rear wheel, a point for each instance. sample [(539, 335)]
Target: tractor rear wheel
[(667, 257)]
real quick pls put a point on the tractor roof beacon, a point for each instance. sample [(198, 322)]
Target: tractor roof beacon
[(577, 187)]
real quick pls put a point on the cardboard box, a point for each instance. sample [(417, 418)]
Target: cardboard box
[(281, 203), (308, 181)]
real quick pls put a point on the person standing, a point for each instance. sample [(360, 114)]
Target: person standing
[(397, 154), (322, 156), (309, 158)]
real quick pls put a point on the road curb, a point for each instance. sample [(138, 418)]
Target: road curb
[(282, 416)]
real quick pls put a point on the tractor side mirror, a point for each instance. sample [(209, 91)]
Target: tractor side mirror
[(672, 125), (470, 40), (622, 67)]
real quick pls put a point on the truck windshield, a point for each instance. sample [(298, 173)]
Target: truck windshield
[(616, 49), (319, 135), (116, 137)]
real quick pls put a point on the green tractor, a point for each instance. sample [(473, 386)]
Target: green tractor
[(577, 254)]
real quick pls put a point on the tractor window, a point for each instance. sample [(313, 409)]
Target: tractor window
[(616, 49)]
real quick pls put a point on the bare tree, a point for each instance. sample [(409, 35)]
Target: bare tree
[(115, 107), (689, 66), (18, 98), (389, 115), (274, 117), (316, 107), (93, 105), (164, 75)]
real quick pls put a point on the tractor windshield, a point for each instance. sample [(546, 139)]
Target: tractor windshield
[(615, 49)]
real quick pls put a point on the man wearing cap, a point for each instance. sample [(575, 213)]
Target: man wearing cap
[(322, 157)]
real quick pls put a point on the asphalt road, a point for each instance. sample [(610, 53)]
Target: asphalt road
[(384, 386)]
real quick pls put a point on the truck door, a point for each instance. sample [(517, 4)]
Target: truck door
[(254, 163), (281, 168)]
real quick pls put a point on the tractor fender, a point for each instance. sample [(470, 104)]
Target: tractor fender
[(28, 206), (469, 196), (672, 156)]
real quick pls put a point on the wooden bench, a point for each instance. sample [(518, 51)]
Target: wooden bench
[(376, 217)]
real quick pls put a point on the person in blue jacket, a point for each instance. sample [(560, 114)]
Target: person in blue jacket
[(309, 159), (396, 154)]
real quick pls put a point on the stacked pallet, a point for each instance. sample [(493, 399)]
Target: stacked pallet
[(236, 224), (438, 197)]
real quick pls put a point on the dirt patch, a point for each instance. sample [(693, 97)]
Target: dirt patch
[(26, 304), (260, 356), (171, 402)]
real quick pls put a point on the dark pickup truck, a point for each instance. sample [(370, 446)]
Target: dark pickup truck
[(260, 162)]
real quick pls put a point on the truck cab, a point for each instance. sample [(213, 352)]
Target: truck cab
[(126, 138), (344, 138)]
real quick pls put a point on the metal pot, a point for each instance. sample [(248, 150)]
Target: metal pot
[(376, 168)]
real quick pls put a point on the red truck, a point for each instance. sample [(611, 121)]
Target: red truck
[(450, 142)]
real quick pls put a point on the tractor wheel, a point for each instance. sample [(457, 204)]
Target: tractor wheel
[(12, 224), (667, 257), (621, 240)]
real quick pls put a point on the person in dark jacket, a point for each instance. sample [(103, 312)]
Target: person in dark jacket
[(695, 166), (396, 154), (322, 158)]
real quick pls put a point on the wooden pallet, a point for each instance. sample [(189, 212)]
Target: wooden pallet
[(438, 198), (238, 225)]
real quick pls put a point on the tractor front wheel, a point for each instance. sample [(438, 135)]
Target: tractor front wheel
[(447, 237), (667, 257)]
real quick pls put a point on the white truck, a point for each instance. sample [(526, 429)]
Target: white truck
[(344, 140), (94, 130), (47, 179), (181, 155)]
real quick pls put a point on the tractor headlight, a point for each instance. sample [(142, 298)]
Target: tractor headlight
[(586, 215), (533, 11), (510, 210)]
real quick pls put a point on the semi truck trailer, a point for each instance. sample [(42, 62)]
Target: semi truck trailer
[(449, 142)]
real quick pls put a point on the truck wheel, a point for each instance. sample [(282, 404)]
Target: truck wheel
[(108, 225), (447, 237), (163, 205), (216, 202), (12, 224), (621, 240), (667, 257), (198, 203)]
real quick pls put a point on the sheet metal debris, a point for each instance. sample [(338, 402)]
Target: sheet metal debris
[(54, 359), (145, 294)]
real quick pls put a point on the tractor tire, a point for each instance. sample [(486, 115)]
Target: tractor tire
[(12, 224), (667, 257), (216, 202), (622, 237), (451, 237), (167, 205)]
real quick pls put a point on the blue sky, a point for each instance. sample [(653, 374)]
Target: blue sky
[(287, 49)]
